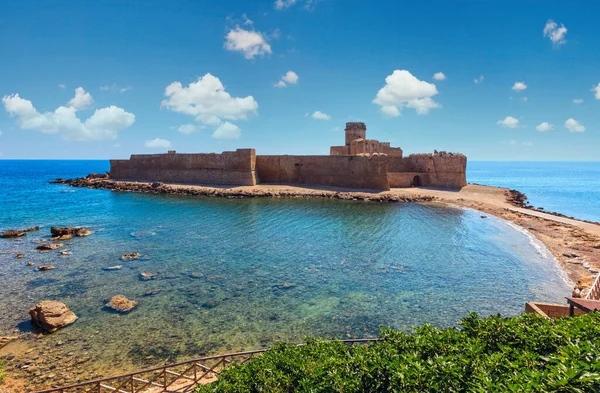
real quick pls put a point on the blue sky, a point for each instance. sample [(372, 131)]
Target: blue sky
[(349, 61)]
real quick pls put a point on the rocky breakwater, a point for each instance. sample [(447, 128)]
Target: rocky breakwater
[(246, 192)]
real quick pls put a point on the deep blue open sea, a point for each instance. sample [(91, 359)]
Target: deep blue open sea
[(571, 188), (243, 273)]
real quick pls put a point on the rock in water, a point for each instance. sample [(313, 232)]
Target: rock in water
[(146, 276), (83, 232), (49, 246), (58, 232), (51, 315), (12, 233), (121, 304), (19, 256), (62, 237), (6, 339), (109, 268), (131, 255), (43, 268)]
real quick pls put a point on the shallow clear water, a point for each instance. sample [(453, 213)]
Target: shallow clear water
[(571, 188), (352, 266)]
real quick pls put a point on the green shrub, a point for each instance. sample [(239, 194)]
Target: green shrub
[(2, 372), (521, 354)]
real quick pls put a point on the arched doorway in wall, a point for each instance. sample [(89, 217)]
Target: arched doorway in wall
[(416, 181)]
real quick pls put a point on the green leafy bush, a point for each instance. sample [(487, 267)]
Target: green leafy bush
[(521, 354), (2, 372)]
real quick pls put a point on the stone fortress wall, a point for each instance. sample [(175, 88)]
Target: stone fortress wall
[(228, 168), (339, 171), (361, 163)]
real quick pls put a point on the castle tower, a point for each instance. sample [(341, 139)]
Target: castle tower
[(355, 130)]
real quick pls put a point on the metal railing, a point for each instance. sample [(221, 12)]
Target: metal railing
[(176, 377), (594, 292)]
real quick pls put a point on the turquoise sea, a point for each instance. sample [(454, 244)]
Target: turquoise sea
[(243, 273)]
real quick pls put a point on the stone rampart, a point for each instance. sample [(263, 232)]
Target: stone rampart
[(435, 170), (337, 171), (227, 168), (339, 150)]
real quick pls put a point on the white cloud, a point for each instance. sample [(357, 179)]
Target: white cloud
[(0, 132), (574, 126), (290, 77), (207, 100), (114, 87), (318, 115), (227, 131), (62, 86), (577, 100), (544, 126), (283, 4), (82, 99), (555, 33), (250, 43), (519, 86), (390, 111), (524, 99), (478, 80), (105, 123), (596, 89), (439, 76), (401, 90), (247, 20), (157, 143), (527, 143), (509, 122), (187, 129)]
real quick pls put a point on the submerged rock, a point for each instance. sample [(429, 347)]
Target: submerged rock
[(147, 276), (284, 285), (152, 292), (19, 256), (49, 246), (51, 315), (110, 268), (66, 252), (131, 255), (121, 304), (6, 339), (29, 263), (44, 268), (210, 304), (196, 275)]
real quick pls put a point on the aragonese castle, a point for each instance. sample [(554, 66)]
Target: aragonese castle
[(361, 163)]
